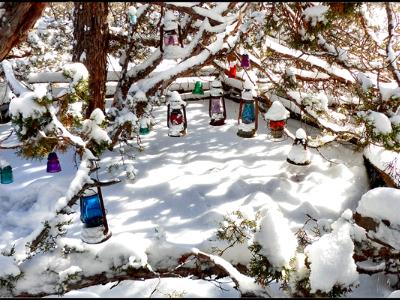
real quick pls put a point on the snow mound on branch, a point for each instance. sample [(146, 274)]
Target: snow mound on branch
[(316, 14), (124, 250), (277, 112), (26, 105), (276, 238), (8, 267), (93, 130), (76, 72), (381, 203), (380, 121), (139, 96), (97, 116), (331, 258)]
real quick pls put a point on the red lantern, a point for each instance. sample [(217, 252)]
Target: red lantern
[(277, 128), (176, 115)]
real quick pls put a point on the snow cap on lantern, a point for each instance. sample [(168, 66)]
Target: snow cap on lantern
[(170, 21), (299, 153), (132, 15), (277, 112), (247, 93), (216, 88), (175, 99)]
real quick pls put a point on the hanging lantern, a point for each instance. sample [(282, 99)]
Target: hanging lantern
[(299, 154), (53, 164), (277, 115), (144, 126), (248, 113), (232, 71), (93, 216), (132, 15), (245, 62), (176, 115), (198, 88), (6, 175), (217, 109), (170, 31)]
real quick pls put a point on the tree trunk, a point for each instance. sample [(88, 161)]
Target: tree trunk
[(90, 48), (15, 23)]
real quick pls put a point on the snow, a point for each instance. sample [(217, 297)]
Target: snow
[(331, 259), (8, 267), (26, 105), (315, 14), (380, 122), (381, 203), (277, 112), (76, 72), (183, 188), (277, 239)]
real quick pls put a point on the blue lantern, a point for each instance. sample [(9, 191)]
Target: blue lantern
[(91, 210)]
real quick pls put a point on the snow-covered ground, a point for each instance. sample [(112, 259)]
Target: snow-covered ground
[(183, 188)]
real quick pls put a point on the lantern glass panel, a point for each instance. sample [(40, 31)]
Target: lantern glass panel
[(248, 114), (170, 38), (6, 175), (144, 130), (91, 212), (176, 117), (216, 105), (276, 124)]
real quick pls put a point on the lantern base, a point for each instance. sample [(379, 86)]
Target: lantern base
[(219, 122), (177, 132), (298, 164), (277, 133), (94, 235), (246, 134)]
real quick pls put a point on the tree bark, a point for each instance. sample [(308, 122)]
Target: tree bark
[(18, 18), (90, 48)]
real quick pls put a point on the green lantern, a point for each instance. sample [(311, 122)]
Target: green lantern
[(6, 175), (198, 88)]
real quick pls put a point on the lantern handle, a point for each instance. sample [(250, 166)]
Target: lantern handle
[(256, 106), (168, 112), (184, 115), (240, 110)]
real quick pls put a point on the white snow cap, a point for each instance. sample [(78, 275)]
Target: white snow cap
[(380, 121), (301, 134), (132, 10), (382, 203), (216, 84), (174, 98), (97, 116), (277, 112), (75, 71), (139, 96), (170, 21)]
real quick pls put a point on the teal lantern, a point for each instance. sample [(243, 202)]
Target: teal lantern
[(198, 88), (6, 175), (144, 126), (144, 130)]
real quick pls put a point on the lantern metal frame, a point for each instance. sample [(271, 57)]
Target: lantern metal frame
[(105, 230), (221, 121), (178, 33), (277, 134), (248, 134), (183, 109)]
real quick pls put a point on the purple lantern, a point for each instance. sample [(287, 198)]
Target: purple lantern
[(245, 63), (53, 164)]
